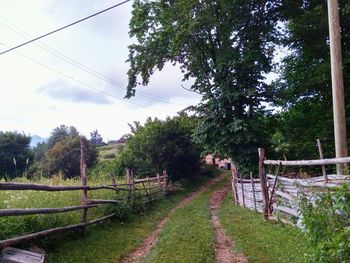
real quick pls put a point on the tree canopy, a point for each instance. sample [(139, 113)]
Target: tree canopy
[(226, 47), (15, 153), (61, 153), (162, 145)]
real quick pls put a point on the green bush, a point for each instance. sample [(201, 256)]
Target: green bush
[(162, 145), (327, 225)]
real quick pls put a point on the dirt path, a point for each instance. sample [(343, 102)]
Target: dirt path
[(223, 244), (139, 252)]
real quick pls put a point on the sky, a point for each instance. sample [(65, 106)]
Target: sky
[(77, 76)]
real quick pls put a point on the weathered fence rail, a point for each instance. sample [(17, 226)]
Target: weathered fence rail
[(271, 194), (150, 187)]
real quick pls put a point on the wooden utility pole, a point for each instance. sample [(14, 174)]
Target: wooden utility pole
[(340, 137)]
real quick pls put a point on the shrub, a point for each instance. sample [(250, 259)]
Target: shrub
[(160, 145), (327, 225)]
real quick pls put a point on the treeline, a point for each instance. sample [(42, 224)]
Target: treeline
[(151, 148), (59, 154)]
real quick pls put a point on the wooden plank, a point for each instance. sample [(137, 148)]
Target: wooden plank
[(234, 185), (84, 198), (97, 201), (263, 182), (50, 188), (287, 210), (242, 187), (342, 160), (16, 240), (15, 255), (324, 172), (34, 211), (274, 185)]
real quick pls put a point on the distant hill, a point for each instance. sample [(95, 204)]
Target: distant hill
[(35, 140)]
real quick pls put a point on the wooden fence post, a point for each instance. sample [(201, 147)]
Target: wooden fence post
[(263, 183), (234, 186), (132, 182), (324, 172), (253, 190), (158, 182), (83, 178), (242, 187), (165, 185)]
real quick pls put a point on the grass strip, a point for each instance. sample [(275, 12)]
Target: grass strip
[(189, 235), (262, 241), (111, 241)]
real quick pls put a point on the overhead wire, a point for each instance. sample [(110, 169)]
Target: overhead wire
[(81, 66), (79, 81), (64, 27)]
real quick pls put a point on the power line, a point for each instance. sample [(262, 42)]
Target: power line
[(79, 65), (79, 81), (64, 27)]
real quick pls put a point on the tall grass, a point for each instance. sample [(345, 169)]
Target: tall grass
[(19, 225)]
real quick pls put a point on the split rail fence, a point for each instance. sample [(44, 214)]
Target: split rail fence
[(273, 194), (146, 188)]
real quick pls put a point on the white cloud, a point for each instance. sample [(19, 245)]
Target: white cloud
[(100, 44)]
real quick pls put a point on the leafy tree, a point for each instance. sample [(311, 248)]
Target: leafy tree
[(304, 88), (226, 46), (62, 153), (96, 138), (15, 153), (160, 145), (60, 133)]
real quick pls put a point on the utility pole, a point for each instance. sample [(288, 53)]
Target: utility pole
[(340, 137)]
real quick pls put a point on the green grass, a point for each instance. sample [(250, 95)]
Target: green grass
[(15, 226), (189, 235), (106, 242), (108, 152), (262, 241), (110, 242)]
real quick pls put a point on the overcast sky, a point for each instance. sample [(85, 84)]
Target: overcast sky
[(40, 91)]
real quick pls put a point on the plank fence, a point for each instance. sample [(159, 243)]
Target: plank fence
[(146, 189), (273, 194)]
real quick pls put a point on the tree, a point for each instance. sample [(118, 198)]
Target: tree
[(63, 152), (60, 133), (226, 46), (160, 145), (304, 88), (96, 138), (15, 153)]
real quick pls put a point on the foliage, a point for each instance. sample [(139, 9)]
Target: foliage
[(162, 145), (60, 133), (262, 241), (62, 152), (96, 138), (226, 46), (327, 225), (15, 153), (303, 89)]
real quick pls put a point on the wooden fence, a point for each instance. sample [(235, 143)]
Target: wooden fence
[(138, 188), (274, 194)]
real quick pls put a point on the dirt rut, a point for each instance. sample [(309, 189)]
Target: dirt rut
[(223, 244), (141, 251)]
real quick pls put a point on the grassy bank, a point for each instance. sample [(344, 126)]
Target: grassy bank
[(14, 226), (189, 235), (107, 242), (262, 241), (111, 241)]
